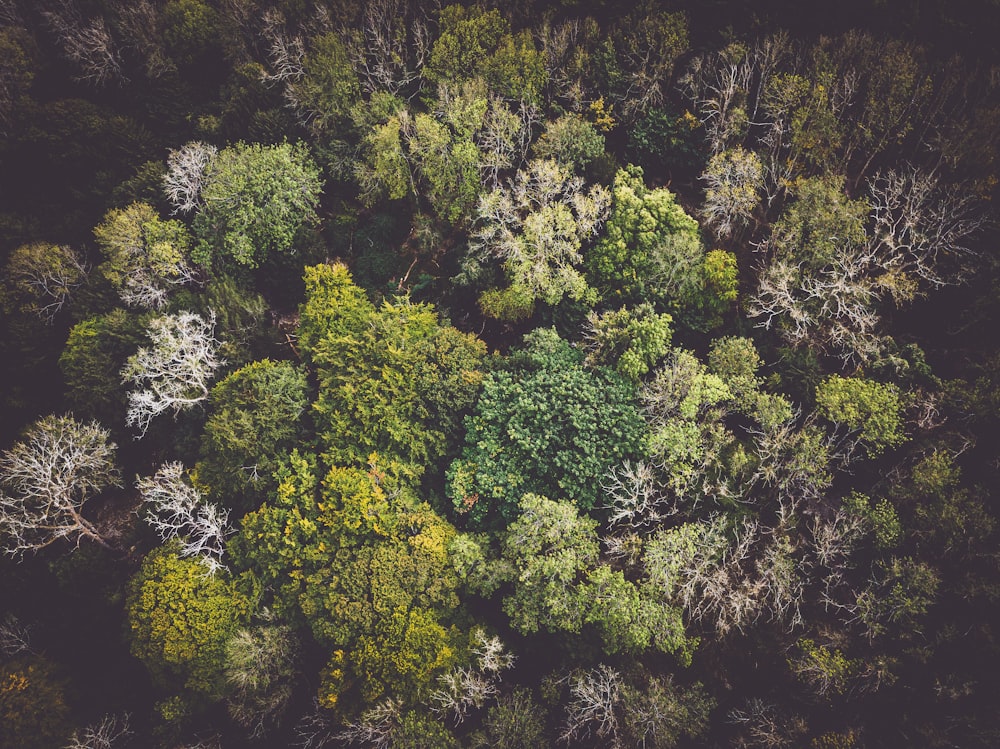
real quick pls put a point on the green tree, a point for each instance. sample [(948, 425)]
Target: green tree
[(328, 87), (255, 419), (256, 202), (366, 566), (571, 141), (393, 380), (474, 41), (543, 424), (94, 354), (651, 249), (630, 340), (549, 547), (144, 255), (180, 618), (873, 409), (516, 721)]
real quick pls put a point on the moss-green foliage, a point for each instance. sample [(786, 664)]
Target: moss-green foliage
[(820, 221), (543, 424), (418, 730), (662, 140), (872, 408), (92, 359), (393, 380), (516, 721), (946, 511), (476, 42), (571, 140), (825, 669), (630, 340), (180, 617), (329, 86), (256, 416), (366, 566), (257, 200), (898, 597), (651, 251), (547, 561), (143, 253), (33, 710)]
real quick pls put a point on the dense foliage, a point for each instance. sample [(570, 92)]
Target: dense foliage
[(468, 374)]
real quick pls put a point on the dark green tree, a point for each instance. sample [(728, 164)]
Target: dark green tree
[(543, 424)]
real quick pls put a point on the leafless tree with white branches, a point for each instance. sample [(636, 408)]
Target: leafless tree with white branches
[(176, 509), (463, 689), (105, 734), (175, 371), (50, 474), (187, 170), (85, 42), (594, 695), (15, 637), (376, 727)]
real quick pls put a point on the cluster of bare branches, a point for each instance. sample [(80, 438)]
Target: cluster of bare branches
[(376, 728), (59, 465), (463, 689), (107, 733), (176, 370), (260, 668), (15, 637), (187, 170), (765, 727), (85, 42), (594, 695), (632, 493), (176, 509), (392, 46)]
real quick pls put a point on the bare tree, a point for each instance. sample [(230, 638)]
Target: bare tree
[(392, 46), (633, 494), (176, 510), (375, 728), (921, 226), (317, 730), (187, 171), (15, 637), (58, 466), (260, 669), (141, 24), (175, 370), (465, 688), (594, 695), (85, 42), (764, 727), (105, 734)]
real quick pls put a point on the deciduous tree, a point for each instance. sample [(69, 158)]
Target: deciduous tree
[(175, 370), (145, 255), (543, 424), (50, 474), (255, 202)]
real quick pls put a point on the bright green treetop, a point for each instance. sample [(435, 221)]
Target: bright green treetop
[(180, 617), (257, 199)]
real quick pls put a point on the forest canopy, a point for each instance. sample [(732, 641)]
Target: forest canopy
[(410, 373)]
